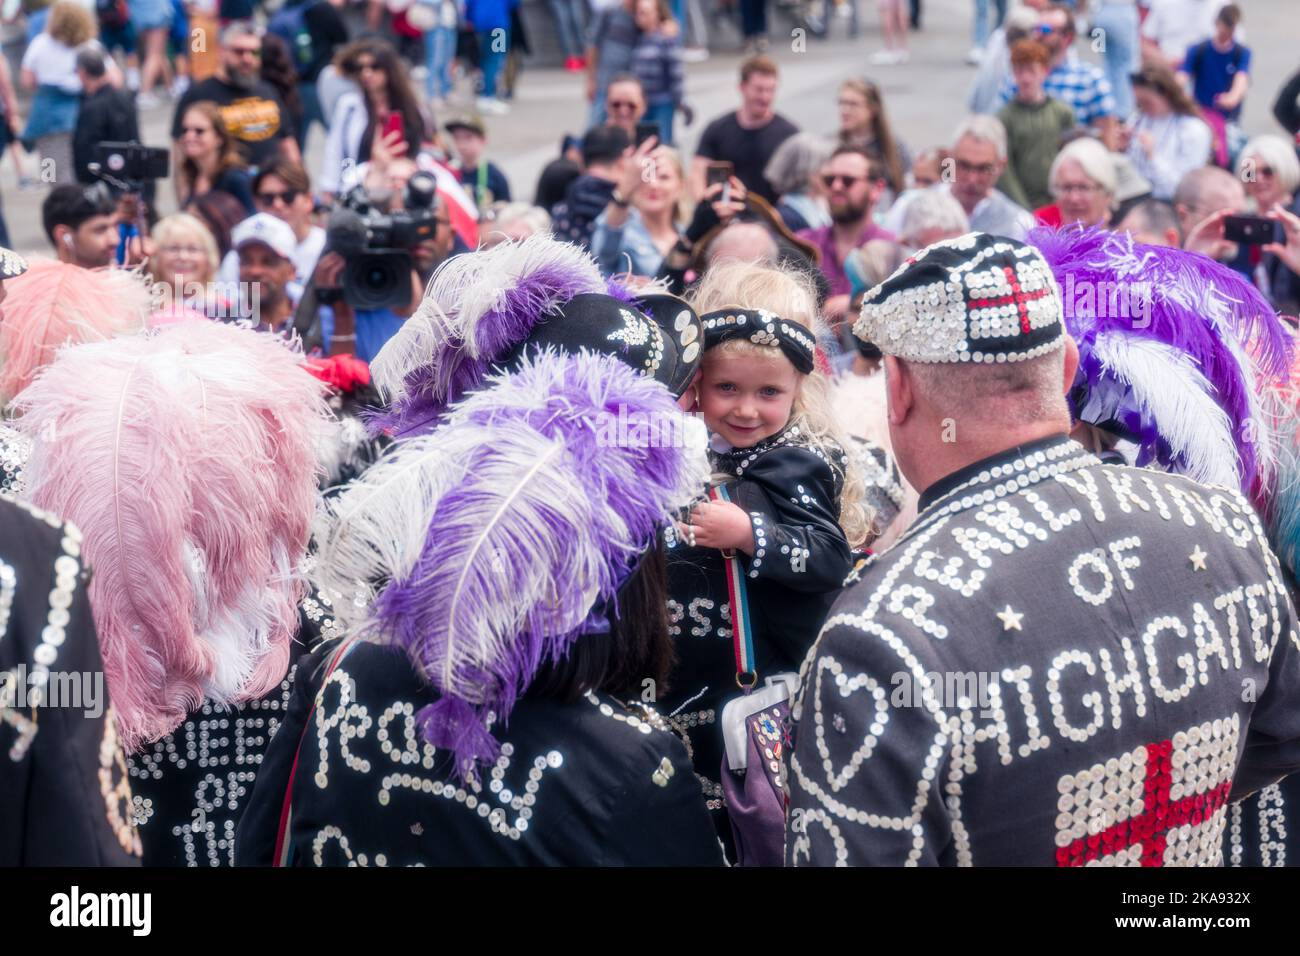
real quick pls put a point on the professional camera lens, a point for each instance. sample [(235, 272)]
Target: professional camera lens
[(421, 191), (378, 281)]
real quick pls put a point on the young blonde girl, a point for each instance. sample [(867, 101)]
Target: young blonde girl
[(792, 297), (788, 511)]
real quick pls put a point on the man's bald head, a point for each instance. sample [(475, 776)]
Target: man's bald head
[(745, 242), (1205, 191), (1153, 222)]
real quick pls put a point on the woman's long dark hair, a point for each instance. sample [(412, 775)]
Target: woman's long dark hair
[(883, 142), (637, 649), (220, 212), (1161, 79), (401, 95), (279, 71)]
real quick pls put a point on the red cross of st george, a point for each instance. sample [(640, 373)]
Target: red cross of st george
[(1160, 814), (1018, 297)]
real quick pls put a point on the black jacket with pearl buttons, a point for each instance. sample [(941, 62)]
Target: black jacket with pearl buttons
[(190, 788), (64, 797), (1060, 663), (591, 782), (791, 491)]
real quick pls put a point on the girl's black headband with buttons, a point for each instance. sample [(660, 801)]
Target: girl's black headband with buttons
[(762, 328)]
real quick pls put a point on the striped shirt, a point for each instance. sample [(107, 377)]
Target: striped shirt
[(657, 63), (1080, 86)]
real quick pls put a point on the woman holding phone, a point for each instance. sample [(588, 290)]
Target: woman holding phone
[(386, 104), (1270, 171), (643, 220)]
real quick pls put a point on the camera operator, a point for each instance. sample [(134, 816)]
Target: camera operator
[(81, 223), (106, 112), (363, 331), (392, 182)]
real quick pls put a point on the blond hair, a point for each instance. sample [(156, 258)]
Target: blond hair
[(680, 208), (71, 24), (792, 296), (180, 226)]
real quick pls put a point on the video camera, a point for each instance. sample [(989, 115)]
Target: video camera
[(377, 245), (128, 166)]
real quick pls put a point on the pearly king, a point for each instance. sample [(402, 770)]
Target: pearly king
[(1061, 662)]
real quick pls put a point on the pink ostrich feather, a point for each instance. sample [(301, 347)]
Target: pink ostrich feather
[(186, 457), (54, 304)]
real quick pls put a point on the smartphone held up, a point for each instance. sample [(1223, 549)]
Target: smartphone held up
[(1253, 230), (720, 172)]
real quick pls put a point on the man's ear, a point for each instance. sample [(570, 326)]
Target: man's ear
[(898, 387), (1071, 363)]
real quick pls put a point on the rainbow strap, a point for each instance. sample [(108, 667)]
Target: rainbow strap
[(742, 633)]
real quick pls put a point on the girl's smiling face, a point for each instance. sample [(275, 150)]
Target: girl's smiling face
[(746, 398)]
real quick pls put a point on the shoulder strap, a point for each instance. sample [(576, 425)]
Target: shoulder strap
[(283, 848), (741, 632)]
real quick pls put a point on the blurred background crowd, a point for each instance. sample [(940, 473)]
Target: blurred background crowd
[(1120, 113)]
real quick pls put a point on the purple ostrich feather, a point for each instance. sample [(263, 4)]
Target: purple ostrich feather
[(1191, 302), (545, 525), (522, 306), (454, 369), (615, 289)]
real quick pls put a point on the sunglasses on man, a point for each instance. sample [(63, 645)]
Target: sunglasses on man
[(271, 198)]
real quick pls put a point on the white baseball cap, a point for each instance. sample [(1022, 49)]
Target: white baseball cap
[(276, 234)]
